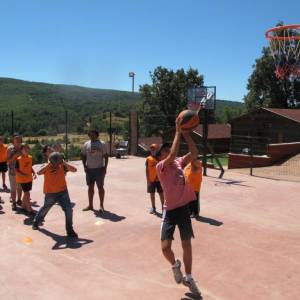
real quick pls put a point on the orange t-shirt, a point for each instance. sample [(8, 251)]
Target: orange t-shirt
[(151, 163), (24, 164), (3, 153), (194, 178), (54, 179)]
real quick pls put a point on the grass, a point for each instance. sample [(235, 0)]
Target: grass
[(223, 158)]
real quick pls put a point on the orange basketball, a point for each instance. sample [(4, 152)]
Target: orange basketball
[(190, 119)]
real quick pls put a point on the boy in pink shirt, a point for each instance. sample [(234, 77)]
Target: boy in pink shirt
[(177, 194)]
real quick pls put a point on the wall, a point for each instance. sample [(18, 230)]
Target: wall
[(275, 152)]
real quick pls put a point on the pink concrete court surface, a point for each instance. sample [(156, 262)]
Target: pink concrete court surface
[(247, 243)]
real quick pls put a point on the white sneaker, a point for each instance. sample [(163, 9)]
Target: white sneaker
[(177, 272), (191, 284)]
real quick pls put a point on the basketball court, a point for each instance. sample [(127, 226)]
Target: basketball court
[(247, 243)]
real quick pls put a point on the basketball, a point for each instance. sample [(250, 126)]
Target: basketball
[(190, 119), (55, 158)]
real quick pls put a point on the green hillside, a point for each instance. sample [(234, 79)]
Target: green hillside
[(39, 108)]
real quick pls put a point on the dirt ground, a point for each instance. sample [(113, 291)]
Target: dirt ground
[(247, 243)]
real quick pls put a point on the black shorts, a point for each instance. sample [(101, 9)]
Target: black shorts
[(3, 167), (26, 187), (95, 176), (181, 217), (154, 186)]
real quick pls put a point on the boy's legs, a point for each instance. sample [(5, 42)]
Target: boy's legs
[(100, 185), (91, 196), (166, 247), (19, 194), (65, 203), (101, 193), (13, 190), (152, 198), (187, 256), (48, 203), (166, 236), (3, 180), (151, 191), (186, 233)]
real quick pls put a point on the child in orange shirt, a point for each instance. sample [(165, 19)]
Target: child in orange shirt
[(56, 191), (153, 183), (3, 161), (193, 175), (24, 177)]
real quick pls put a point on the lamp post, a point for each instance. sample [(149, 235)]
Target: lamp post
[(132, 74)]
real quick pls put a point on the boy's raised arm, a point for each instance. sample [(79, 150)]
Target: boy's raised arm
[(193, 151), (176, 142)]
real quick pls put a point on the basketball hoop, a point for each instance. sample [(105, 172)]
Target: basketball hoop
[(201, 97), (285, 49)]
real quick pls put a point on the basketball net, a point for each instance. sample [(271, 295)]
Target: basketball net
[(285, 49)]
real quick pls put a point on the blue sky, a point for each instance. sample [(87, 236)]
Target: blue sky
[(96, 43)]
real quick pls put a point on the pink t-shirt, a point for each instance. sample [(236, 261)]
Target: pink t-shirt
[(177, 192)]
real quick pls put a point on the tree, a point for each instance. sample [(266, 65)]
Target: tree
[(165, 97), (265, 89)]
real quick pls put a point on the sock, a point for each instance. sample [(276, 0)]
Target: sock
[(188, 277)]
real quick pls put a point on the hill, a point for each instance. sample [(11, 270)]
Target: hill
[(39, 108)]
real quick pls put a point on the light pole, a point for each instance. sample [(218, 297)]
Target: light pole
[(132, 74)]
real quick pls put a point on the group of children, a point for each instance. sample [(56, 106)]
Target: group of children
[(176, 179), (18, 162)]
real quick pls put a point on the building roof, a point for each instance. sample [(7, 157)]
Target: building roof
[(289, 113), (292, 114), (215, 131)]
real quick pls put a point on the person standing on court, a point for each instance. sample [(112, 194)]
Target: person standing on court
[(177, 194), (3, 161), (13, 152), (94, 156)]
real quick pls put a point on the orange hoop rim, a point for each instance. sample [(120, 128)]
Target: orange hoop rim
[(282, 38)]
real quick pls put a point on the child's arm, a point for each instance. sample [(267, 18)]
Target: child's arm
[(33, 173), (10, 156), (43, 169), (69, 167), (83, 157), (17, 168), (147, 174), (192, 155), (175, 146)]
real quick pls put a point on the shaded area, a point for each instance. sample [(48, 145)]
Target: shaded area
[(63, 242), (209, 221), (190, 296), (231, 182), (107, 215)]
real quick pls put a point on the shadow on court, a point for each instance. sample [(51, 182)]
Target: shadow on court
[(64, 242), (107, 215), (190, 296), (2, 212), (159, 215), (231, 182), (209, 221)]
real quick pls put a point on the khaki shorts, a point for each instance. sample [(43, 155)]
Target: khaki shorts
[(13, 185)]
